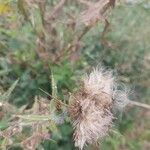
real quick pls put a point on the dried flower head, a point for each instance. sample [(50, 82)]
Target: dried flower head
[(91, 107)]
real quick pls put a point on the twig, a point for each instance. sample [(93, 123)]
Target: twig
[(56, 10), (140, 104)]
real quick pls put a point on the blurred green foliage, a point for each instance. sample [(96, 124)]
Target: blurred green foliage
[(126, 51)]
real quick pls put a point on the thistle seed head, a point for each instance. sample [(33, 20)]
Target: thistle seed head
[(91, 107)]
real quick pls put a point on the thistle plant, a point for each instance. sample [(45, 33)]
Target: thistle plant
[(91, 109)]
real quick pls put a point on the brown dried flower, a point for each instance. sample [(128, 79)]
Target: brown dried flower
[(91, 107)]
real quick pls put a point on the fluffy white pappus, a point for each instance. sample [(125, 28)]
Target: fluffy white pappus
[(92, 107), (59, 119), (99, 80), (120, 99), (93, 124)]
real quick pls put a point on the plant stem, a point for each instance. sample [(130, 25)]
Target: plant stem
[(140, 104)]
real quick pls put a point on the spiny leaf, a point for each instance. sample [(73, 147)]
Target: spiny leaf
[(34, 117), (4, 143), (4, 72), (54, 93), (6, 95), (54, 86)]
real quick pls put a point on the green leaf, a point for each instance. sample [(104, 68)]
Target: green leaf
[(34, 117), (3, 125), (5, 142), (54, 93), (7, 94), (4, 72), (54, 86)]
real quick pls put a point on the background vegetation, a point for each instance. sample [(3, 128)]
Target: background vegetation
[(33, 49)]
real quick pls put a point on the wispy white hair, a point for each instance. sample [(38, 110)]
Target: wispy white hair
[(91, 110), (99, 80)]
